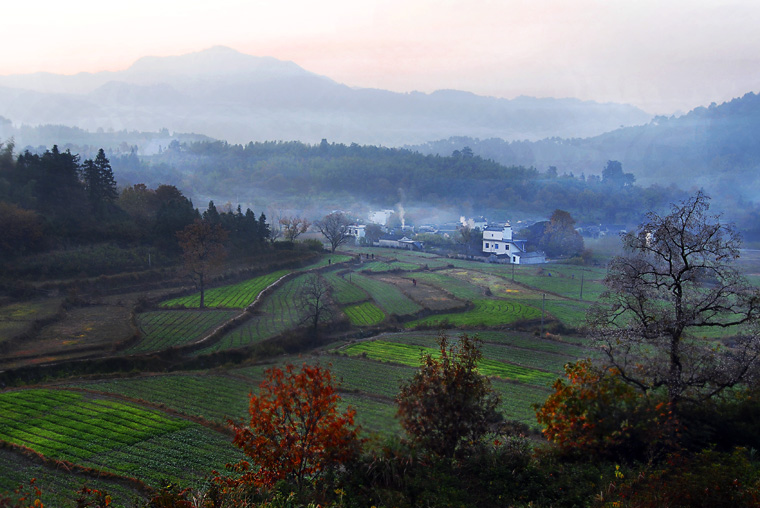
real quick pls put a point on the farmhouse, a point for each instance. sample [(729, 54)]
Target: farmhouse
[(396, 242), (358, 231), (498, 242)]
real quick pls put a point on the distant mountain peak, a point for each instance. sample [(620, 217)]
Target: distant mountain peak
[(216, 61)]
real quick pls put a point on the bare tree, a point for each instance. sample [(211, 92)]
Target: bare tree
[(202, 250), (673, 284), (315, 300), (334, 227), (293, 227)]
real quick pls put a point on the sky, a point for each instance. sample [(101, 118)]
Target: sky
[(664, 56)]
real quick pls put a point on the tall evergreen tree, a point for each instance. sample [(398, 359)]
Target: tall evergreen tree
[(99, 182)]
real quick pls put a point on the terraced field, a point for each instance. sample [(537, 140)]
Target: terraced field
[(112, 436), (491, 313), (57, 485), (172, 328), (278, 313), (18, 318), (236, 296), (409, 354), (364, 314), (345, 292), (213, 397), (387, 296)]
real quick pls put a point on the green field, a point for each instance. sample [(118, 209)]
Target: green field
[(279, 312), (236, 296), (484, 313), (387, 296), (212, 397), (364, 314), (172, 328), (343, 291), (408, 354), (112, 436)]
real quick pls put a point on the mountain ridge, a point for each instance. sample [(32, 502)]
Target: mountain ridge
[(229, 95)]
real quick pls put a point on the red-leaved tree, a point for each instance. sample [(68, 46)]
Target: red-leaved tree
[(594, 412), (295, 430)]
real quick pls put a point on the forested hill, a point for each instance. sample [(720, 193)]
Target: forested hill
[(337, 176), (715, 148)]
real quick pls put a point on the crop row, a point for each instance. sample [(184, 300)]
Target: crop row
[(364, 314), (526, 356), (235, 296), (382, 266), (388, 296), (90, 432), (171, 328), (58, 486), (345, 292), (407, 354), (538, 344), (279, 312), (484, 313), (356, 374), (215, 398)]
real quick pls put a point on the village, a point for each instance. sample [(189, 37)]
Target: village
[(472, 238)]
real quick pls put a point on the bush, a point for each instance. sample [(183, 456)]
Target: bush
[(594, 413)]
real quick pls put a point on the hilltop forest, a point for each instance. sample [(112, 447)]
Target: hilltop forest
[(338, 176)]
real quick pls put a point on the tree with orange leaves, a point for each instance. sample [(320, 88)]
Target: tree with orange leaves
[(596, 413), (295, 429)]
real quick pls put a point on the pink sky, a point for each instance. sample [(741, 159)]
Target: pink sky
[(662, 56)]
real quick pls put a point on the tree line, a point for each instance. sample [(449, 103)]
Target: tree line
[(379, 175), (55, 201)]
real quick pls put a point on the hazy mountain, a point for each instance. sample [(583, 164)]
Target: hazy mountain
[(228, 95), (714, 147)]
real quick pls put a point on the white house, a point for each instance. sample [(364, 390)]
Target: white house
[(498, 241), (357, 231)]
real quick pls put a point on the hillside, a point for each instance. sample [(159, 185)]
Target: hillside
[(714, 147), (240, 98)]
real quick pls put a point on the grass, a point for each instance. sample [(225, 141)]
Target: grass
[(458, 288)]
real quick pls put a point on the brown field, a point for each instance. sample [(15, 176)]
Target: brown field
[(428, 296), (82, 332)]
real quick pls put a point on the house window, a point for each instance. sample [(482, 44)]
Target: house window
[(486, 245)]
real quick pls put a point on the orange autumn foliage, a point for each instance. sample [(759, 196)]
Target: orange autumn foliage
[(295, 430), (595, 412)]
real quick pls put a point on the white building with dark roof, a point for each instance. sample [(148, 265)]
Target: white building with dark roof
[(498, 242)]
